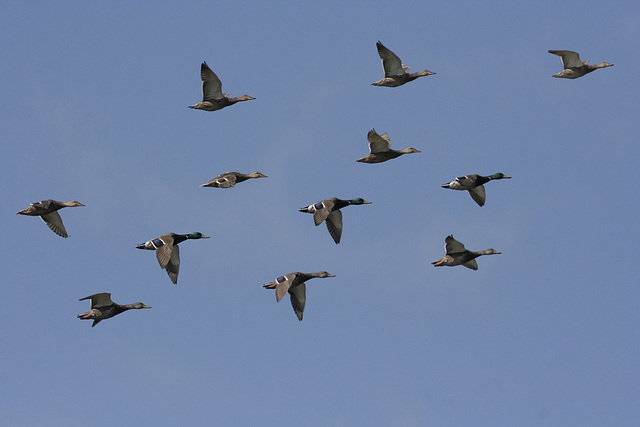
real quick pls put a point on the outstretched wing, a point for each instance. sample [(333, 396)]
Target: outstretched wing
[(99, 300), (378, 143), (471, 264), (323, 209), (478, 194), (298, 296), (163, 253), (334, 225), (173, 266), (54, 222), (452, 246), (570, 59), (283, 283), (211, 84), (391, 64)]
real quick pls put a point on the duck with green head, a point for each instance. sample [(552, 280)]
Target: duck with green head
[(474, 185), (328, 210), (168, 252)]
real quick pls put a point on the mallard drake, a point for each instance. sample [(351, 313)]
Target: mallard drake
[(458, 255), (230, 179), (573, 66), (395, 72), (380, 149), (103, 308), (473, 184), (168, 252), (47, 210), (294, 284), (212, 97), (328, 210)]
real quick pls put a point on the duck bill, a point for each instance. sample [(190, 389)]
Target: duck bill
[(205, 237), (366, 202), (437, 263)]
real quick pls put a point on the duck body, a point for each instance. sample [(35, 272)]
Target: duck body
[(474, 184), (328, 211), (294, 284), (395, 72), (573, 66), (102, 307), (212, 97), (457, 254), (380, 149), (47, 211), (168, 252), (230, 179)]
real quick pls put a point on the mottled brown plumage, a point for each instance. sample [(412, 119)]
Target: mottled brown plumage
[(573, 66), (230, 179), (380, 149), (212, 97), (456, 254), (395, 72), (103, 308), (47, 211)]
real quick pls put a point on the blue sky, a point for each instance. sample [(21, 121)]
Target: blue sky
[(95, 109)]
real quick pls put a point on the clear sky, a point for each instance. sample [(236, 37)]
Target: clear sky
[(94, 108)]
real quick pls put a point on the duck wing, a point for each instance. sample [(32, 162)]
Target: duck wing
[(54, 222), (471, 264), (478, 194), (163, 253), (323, 209), (570, 59), (467, 181), (452, 246), (173, 266), (211, 84), (378, 143), (227, 181), (391, 64), (283, 283), (298, 296), (45, 204), (102, 299), (334, 225)]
